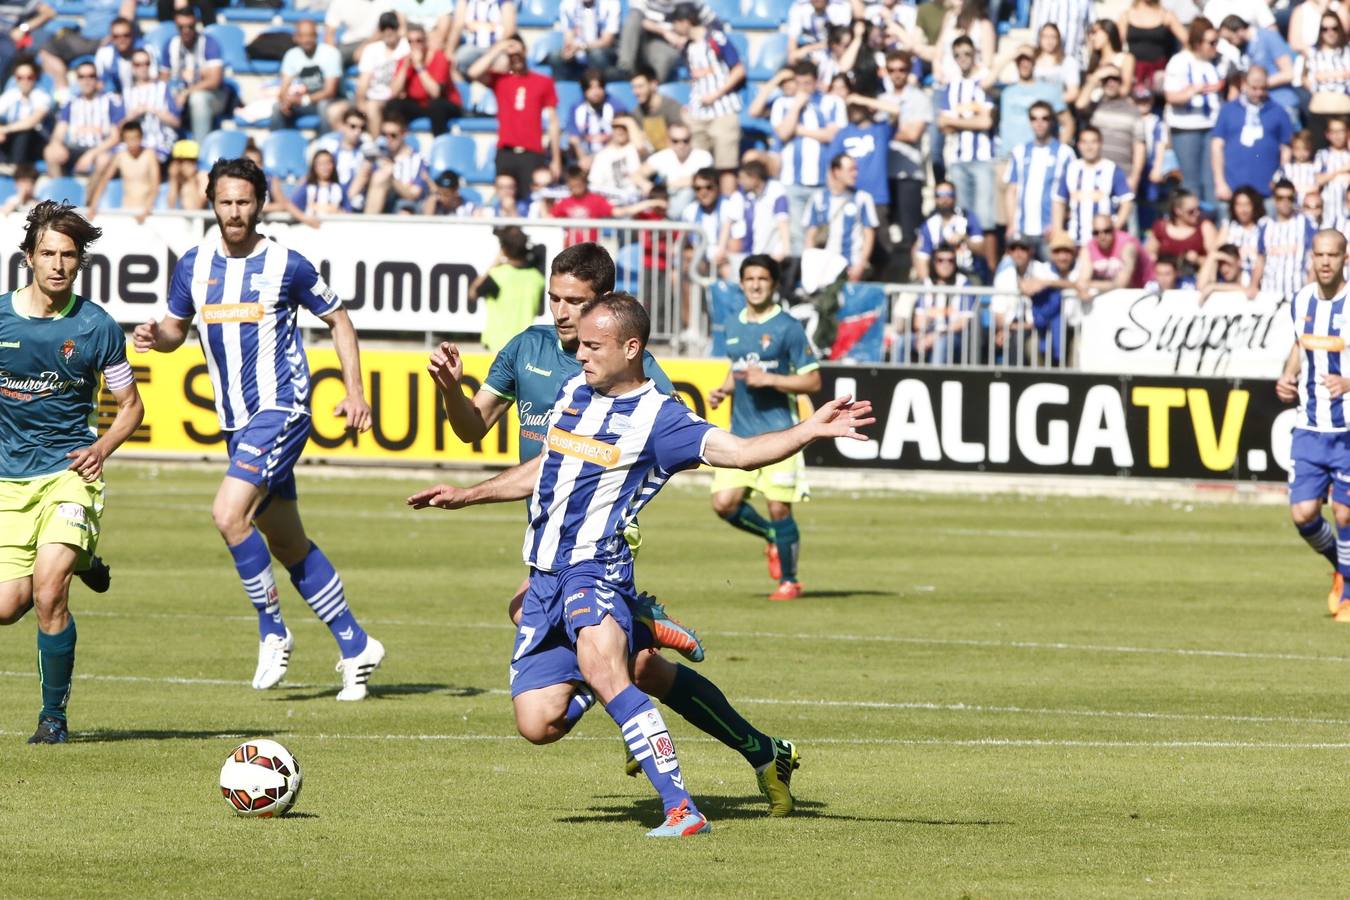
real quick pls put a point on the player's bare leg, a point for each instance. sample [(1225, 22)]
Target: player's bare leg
[(16, 599), (541, 714)]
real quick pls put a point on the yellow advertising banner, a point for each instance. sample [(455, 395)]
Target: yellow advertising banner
[(409, 426)]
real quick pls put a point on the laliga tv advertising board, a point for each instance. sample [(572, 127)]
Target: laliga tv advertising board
[(1041, 422)]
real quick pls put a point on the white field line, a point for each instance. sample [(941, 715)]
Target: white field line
[(914, 705), (1057, 646)]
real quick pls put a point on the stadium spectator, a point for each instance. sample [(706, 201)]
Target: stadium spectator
[(477, 26), (544, 193), (71, 44), (1167, 277), (1265, 47), (765, 229), (676, 166), (395, 180), (962, 18), (782, 84), (842, 219), (20, 21), (86, 128), (806, 123), (1149, 172), (376, 71), (1056, 66), (311, 78), (23, 110), (591, 122), (716, 74), (151, 101), (1255, 11), (865, 140), (1305, 23), (614, 169), (195, 69), (720, 218), (912, 111), (948, 225), (648, 35), (941, 321), (138, 168), (1111, 260), (1333, 170), (1116, 118), (355, 23), (1072, 20), (1183, 233), (1193, 90), (655, 113), (320, 194), (523, 99), (350, 147), (841, 56), (581, 203), (113, 59), (1091, 185), (24, 197), (505, 202), (1243, 231), (1222, 274), (1051, 288), (1016, 100), (1250, 140), (1286, 244), (590, 37), (1034, 172), (966, 118), (446, 200), (809, 23), (1152, 34), (187, 185), (1324, 72), (1105, 48), (422, 86), (512, 287)]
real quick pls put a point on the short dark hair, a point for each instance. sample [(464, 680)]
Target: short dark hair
[(1041, 104), (574, 171), (387, 20), (963, 41), (1233, 23), (684, 12), (762, 261), (63, 219), (708, 173), (131, 125), (355, 112), (805, 67), (629, 314), (514, 243), (1090, 129), (185, 12), (757, 169), (1167, 259), (588, 262), (592, 76), (1284, 184), (245, 170), (644, 70), (944, 247), (837, 161), (394, 117)]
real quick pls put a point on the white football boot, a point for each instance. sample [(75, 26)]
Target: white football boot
[(274, 655), (356, 670)]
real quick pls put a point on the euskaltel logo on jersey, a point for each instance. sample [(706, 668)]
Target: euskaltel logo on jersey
[(22, 387)]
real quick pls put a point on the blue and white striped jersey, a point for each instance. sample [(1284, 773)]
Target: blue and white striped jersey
[(965, 97), (482, 24), (844, 216), (587, 23), (711, 60), (605, 458), (14, 106), (955, 230), (1089, 189), (1329, 160), (115, 70), (1073, 18), (762, 213), (1037, 169), (1302, 175), (806, 26), (248, 308), (185, 65), (325, 197), (593, 126), (729, 211), (159, 137), (804, 160), (1247, 238), (411, 168), (1202, 110), (89, 121), (1320, 329), (1153, 131), (348, 159), (1287, 248)]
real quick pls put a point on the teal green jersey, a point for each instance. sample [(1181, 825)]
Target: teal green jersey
[(531, 370), (49, 378), (779, 346)]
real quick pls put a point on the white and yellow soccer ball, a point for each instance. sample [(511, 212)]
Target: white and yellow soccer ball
[(260, 779)]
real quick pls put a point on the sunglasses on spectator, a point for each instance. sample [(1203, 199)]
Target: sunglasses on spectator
[(353, 124), (1101, 231), (1288, 197), (705, 187), (945, 194), (1040, 118), (963, 54), (676, 140), (84, 75), (121, 35), (1191, 211), (140, 63), (948, 260), (1331, 28), (392, 134)]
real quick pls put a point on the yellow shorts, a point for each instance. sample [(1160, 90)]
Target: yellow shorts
[(54, 509), (783, 482)]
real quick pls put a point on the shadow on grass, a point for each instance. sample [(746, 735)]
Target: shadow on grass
[(111, 735), (300, 815), (386, 690), (753, 806), (811, 594)]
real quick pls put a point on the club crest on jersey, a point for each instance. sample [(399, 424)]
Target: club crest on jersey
[(620, 424), (261, 282), (764, 341), (67, 350)]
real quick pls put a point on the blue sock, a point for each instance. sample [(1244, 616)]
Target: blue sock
[(1320, 537), (746, 518), (318, 582), (703, 705), (581, 701), (56, 666), (646, 735), (788, 539), (253, 562)]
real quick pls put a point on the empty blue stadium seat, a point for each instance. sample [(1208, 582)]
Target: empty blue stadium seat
[(470, 195), (569, 95), (65, 189), (544, 46), (157, 38), (537, 13), (762, 14), (284, 154), (6, 188), (678, 91), (220, 145), (458, 152), (621, 92), (112, 195), (269, 66), (232, 49), (628, 268), (770, 55)]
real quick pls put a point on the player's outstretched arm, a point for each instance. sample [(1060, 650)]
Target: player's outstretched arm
[(516, 483), (88, 461), (166, 335), (354, 406), (470, 420), (840, 418)]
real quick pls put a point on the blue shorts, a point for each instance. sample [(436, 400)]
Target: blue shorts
[(556, 607), (1318, 460), (264, 451)]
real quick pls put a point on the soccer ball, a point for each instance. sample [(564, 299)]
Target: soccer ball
[(260, 779)]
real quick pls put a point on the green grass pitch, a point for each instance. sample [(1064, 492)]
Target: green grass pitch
[(993, 697)]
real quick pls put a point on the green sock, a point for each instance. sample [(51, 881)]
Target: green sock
[(56, 664), (703, 705), (788, 539), (747, 519)]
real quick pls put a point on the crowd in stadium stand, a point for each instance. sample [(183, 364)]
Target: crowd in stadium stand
[(1029, 145)]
